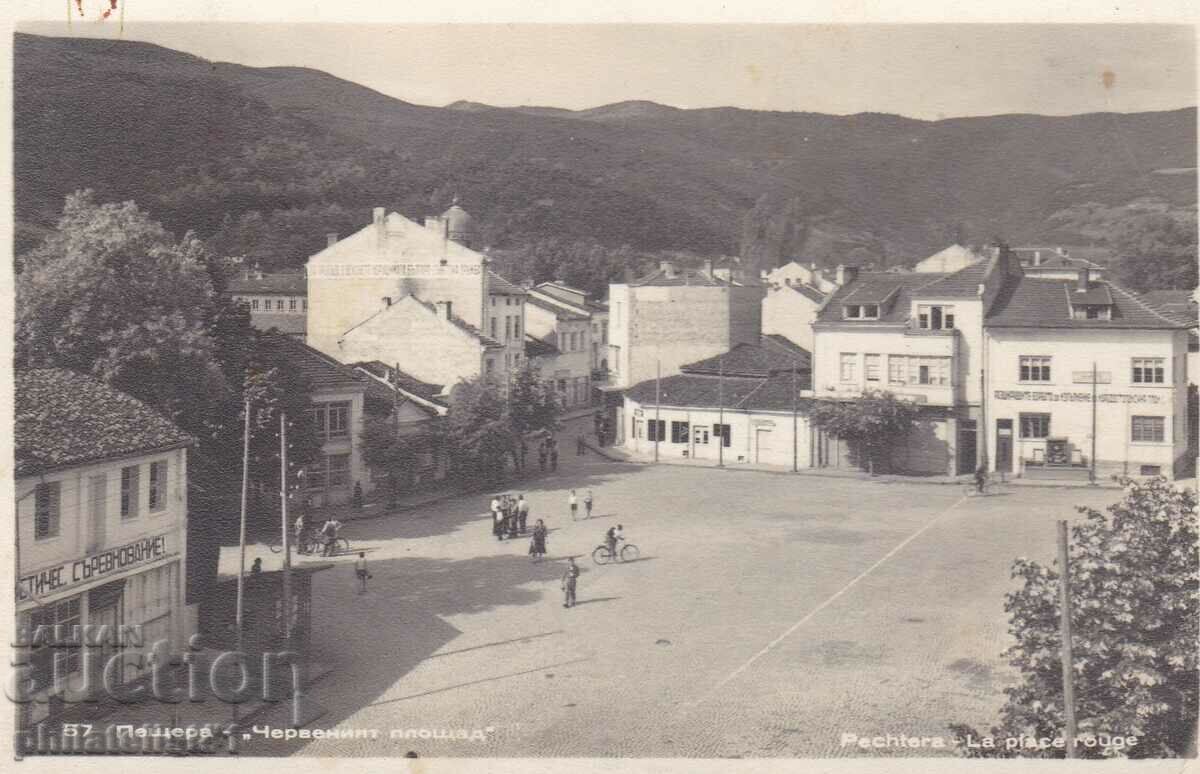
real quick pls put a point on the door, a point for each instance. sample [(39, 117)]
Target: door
[(762, 444), (968, 457), (1004, 445), (97, 512)]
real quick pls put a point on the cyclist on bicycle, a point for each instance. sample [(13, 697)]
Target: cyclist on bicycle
[(613, 536), (980, 479), (329, 533)]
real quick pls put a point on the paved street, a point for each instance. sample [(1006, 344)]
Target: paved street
[(767, 616)]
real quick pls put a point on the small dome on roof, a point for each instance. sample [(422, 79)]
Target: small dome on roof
[(458, 220)]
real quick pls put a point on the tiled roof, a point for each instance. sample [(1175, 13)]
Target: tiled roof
[(381, 391), (1095, 294), (284, 284), (1076, 257), (538, 348), (773, 354), (461, 324), (559, 308), (1177, 303), (405, 381), (872, 284), (962, 283), (502, 287), (809, 292), (775, 393), (321, 371), (1032, 302), (63, 418), (686, 277)]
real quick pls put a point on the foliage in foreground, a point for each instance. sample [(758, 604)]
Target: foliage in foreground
[(1134, 593)]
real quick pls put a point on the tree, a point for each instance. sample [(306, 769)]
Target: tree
[(872, 424), (1157, 250), (110, 293), (1134, 594), (479, 432), (533, 404)]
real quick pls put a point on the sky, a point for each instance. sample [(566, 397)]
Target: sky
[(927, 71)]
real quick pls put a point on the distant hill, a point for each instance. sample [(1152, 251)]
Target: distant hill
[(204, 145)]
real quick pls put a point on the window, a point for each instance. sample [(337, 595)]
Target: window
[(847, 366), (304, 304), (1148, 430), (507, 328), (1148, 370), (489, 364), (871, 367), (158, 485), (331, 420), (1151, 470), (495, 328), (517, 327), (656, 429), (852, 311), (279, 305), (254, 304), (574, 341), (46, 510), (725, 434), (508, 300), (129, 492), (1035, 368), (291, 304), (61, 618), (338, 466), (679, 432), (870, 311), (931, 371), (935, 317), (700, 436), (897, 368), (1035, 425)]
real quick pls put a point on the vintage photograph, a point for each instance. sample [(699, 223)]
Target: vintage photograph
[(604, 391)]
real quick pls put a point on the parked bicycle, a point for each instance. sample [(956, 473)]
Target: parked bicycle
[(626, 553), (991, 486)]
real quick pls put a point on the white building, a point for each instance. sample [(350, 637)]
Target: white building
[(567, 327), (747, 405), (101, 510), (949, 260), (1083, 373), (275, 301)]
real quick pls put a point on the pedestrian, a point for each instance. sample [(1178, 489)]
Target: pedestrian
[(510, 516), (522, 513), (298, 529), (542, 455), (537, 545), (524, 451), (580, 449), (329, 533), (568, 583), (498, 522), (357, 500), (587, 503), (573, 504), (360, 570), (553, 457), (256, 568), (980, 479)]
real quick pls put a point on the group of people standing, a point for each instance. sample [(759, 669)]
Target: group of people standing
[(510, 516)]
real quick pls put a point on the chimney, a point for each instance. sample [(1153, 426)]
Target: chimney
[(628, 276), (380, 221), (708, 267), (331, 239), (1082, 282), (445, 310), (1037, 257), (667, 268), (846, 274), (377, 216), (387, 300)]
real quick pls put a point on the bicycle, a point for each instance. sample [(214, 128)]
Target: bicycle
[(990, 487), (306, 544), (628, 553)]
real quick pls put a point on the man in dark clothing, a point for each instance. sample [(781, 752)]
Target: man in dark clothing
[(568, 583), (980, 479), (553, 458)]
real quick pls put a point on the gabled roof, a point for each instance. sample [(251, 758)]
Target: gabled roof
[(535, 347), (963, 283), (294, 284), (778, 392), (808, 291), (454, 320), (499, 286), (321, 371), (1096, 294), (63, 419), (685, 277), (1034, 302), (950, 259), (562, 310), (1177, 303), (899, 288), (1076, 257), (772, 354), (381, 389)]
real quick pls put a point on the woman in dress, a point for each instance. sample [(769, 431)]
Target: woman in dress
[(537, 545)]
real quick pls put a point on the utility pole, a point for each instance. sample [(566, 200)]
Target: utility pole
[(1092, 472), (657, 401), (241, 592), (287, 547), (721, 410), (795, 422), (1064, 592)]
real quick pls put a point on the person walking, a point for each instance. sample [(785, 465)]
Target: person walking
[(579, 447), (568, 583), (573, 504), (298, 529), (980, 479), (498, 522), (587, 503), (329, 533), (360, 571), (522, 513), (543, 454), (537, 544), (553, 456), (510, 516)]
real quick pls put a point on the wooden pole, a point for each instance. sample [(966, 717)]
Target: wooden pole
[(657, 401), (1092, 472), (795, 422), (287, 543), (242, 536), (721, 410), (1064, 591)]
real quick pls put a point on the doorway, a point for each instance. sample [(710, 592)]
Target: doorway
[(762, 444), (1004, 445), (97, 512), (968, 454)]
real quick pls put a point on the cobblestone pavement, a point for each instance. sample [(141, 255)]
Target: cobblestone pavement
[(767, 616)]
